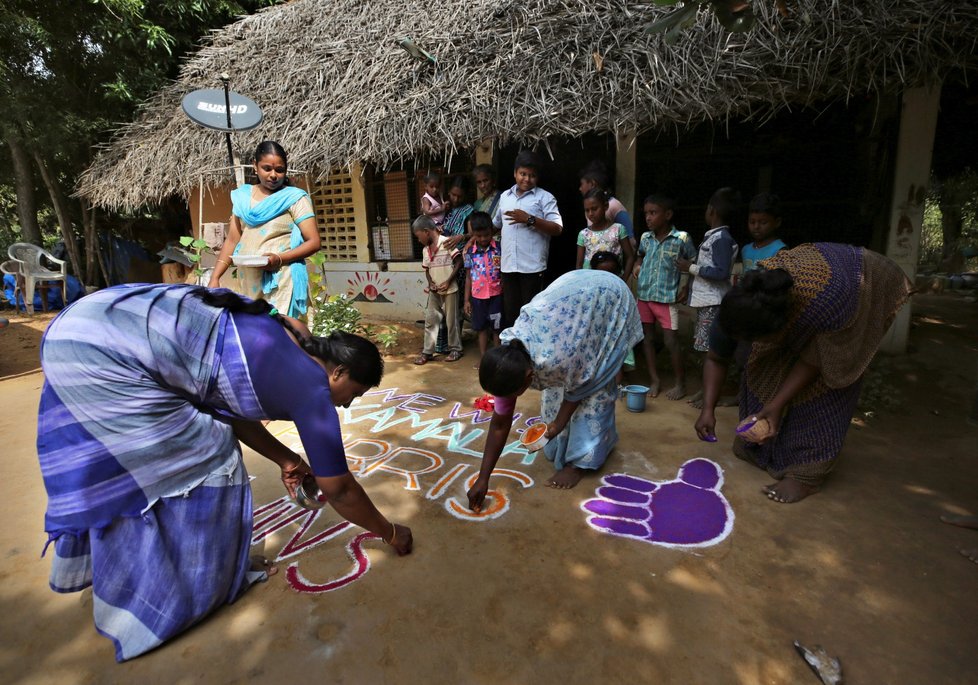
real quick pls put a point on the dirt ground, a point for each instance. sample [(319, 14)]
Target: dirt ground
[(534, 595)]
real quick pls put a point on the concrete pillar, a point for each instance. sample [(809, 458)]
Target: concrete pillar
[(625, 169), (911, 177)]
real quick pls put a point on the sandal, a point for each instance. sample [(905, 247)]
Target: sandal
[(423, 359), (453, 356)]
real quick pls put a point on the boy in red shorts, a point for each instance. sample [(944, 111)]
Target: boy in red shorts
[(658, 288)]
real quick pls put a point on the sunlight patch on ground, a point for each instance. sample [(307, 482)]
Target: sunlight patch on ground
[(653, 633), (685, 579), (581, 571)]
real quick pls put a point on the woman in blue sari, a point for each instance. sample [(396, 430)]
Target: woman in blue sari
[(570, 342), (148, 390), (276, 220)]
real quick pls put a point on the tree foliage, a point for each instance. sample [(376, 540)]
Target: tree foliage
[(71, 70)]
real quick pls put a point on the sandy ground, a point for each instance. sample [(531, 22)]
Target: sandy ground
[(534, 595)]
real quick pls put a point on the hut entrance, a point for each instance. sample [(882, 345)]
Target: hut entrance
[(560, 176)]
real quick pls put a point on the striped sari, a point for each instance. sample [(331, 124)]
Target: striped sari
[(148, 497)]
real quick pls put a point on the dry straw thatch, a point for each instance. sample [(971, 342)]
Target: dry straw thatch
[(337, 89)]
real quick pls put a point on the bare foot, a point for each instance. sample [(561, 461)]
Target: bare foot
[(970, 553), (696, 401), (963, 521), (566, 478), (260, 563), (654, 386), (788, 490), (677, 393)]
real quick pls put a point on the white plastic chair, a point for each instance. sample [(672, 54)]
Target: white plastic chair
[(12, 267), (33, 271)]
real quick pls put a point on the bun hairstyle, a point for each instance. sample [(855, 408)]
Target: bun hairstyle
[(758, 305), (359, 356), (601, 259), (503, 369), (597, 194)]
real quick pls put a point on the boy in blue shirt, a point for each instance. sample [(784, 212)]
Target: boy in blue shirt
[(763, 223)]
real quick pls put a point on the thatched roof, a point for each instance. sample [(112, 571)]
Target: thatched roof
[(336, 88)]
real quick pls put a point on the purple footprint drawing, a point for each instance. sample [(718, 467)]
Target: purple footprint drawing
[(688, 511)]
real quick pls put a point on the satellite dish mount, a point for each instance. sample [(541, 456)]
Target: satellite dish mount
[(225, 111)]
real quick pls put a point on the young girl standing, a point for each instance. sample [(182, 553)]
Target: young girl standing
[(432, 203), (602, 235)]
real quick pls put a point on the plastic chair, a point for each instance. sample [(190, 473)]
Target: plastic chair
[(12, 267), (33, 271)]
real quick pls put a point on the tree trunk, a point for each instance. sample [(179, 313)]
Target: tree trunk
[(91, 244), (30, 232), (61, 210), (951, 223), (98, 249)]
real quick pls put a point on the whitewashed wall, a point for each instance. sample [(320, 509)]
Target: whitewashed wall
[(396, 294)]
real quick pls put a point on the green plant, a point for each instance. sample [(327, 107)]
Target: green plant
[(199, 247), (387, 338), (336, 313), (317, 282)]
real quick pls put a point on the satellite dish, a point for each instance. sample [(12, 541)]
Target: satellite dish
[(207, 108)]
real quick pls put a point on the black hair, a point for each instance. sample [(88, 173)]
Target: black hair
[(461, 183), (479, 221), (664, 201), (359, 356), (503, 369), (527, 159), (604, 257), (758, 305), (726, 202), (766, 203), (270, 147), (432, 178), (596, 172), (597, 194), (484, 169)]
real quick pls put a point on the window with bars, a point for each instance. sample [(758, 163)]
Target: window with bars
[(333, 203)]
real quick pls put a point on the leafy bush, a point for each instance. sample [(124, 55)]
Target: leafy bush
[(336, 313), (339, 312)]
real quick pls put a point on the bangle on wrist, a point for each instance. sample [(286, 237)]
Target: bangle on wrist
[(393, 534), (224, 261)]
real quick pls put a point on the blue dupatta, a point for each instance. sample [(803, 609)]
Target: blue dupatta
[(271, 207)]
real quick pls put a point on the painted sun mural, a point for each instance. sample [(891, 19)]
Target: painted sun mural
[(370, 286)]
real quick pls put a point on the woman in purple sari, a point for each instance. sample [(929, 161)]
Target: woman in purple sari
[(815, 316), (148, 390)]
